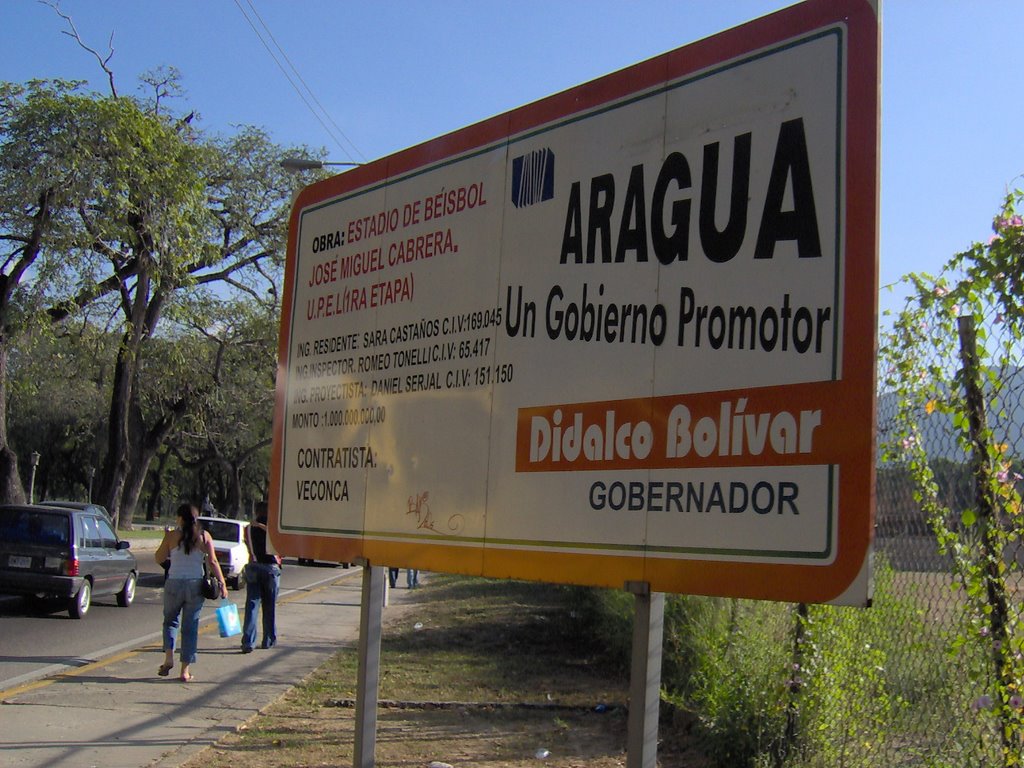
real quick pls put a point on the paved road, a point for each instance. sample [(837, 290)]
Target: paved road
[(116, 713), (39, 643)]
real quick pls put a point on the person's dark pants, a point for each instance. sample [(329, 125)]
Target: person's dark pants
[(392, 577), (262, 582)]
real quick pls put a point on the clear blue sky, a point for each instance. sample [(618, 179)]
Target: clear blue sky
[(393, 74)]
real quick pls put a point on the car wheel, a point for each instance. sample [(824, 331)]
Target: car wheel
[(80, 603), (233, 584), (127, 593)]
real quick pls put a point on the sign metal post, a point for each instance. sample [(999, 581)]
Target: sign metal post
[(367, 684), (645, 676)]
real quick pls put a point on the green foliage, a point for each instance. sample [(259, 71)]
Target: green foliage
[(604, 624), (58, 387), (861, 695), (949, 356), (102, 165), (724, 661), (118, 214), (741, 678)]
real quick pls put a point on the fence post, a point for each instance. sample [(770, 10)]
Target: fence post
[(991, 543), (789, 737)]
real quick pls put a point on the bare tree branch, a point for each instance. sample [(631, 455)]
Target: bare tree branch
[(223, 274), (103, 62)]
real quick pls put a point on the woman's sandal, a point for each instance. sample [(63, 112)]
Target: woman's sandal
[(165, 670)]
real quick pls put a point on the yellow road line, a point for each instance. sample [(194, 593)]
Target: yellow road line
[(72, 673)]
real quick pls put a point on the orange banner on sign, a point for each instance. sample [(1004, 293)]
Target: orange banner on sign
[(770, 426)]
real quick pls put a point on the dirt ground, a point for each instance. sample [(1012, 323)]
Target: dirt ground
[(486, 676)]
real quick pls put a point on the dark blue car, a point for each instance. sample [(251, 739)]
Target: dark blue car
[(64, 554)]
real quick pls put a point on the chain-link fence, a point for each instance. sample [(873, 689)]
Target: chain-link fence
[(951, 426), (931, 675)]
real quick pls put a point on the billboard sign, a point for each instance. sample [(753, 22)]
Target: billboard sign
[(625, 333)]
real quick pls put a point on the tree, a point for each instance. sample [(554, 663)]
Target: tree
[(115, 199), (59, 394), (239, 251), (108, 199), (232, 433), (54, 141)]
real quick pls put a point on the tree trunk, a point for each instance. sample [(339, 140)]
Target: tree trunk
[(142, 312), (233, 502), (134, 480), (11, 490), (155, 503), (115, 465), (145, 444)]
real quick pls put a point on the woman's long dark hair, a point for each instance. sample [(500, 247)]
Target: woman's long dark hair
[(189, 530)]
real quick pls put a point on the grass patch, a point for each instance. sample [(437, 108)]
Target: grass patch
[(157, 534), (479, 672)]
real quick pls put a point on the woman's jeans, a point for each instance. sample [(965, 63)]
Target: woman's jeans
[(262, 582), (184, 597)]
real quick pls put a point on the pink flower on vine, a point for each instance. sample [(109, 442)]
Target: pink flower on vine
[(982, 702)]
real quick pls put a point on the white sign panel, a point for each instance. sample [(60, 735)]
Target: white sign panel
[(625, 333)]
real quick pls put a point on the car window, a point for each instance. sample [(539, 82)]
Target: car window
[(223, 531), (107, 537), (92, 532), (100, 512), (28, 526)]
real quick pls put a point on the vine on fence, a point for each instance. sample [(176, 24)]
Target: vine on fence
[(947, 357)]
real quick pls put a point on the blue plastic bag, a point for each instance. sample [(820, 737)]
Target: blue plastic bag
[(227, 619)]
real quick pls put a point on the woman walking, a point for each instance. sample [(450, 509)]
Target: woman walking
[(187, 546)]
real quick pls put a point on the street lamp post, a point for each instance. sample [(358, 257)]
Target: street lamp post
[(33, 459), (90, 471), (303, 164)]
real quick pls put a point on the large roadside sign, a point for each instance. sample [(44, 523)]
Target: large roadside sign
[(625, 333)]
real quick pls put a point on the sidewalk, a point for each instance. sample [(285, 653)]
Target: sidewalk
[(118, 714)]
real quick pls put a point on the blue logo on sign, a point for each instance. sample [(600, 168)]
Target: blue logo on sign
[(533, 178)]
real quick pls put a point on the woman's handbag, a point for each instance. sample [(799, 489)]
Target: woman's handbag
[(227, 619), (211, 587)]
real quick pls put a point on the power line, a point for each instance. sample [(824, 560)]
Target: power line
[(301, 80), (334, 136)]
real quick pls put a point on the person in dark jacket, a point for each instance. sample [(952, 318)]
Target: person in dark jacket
[(262, 582)]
